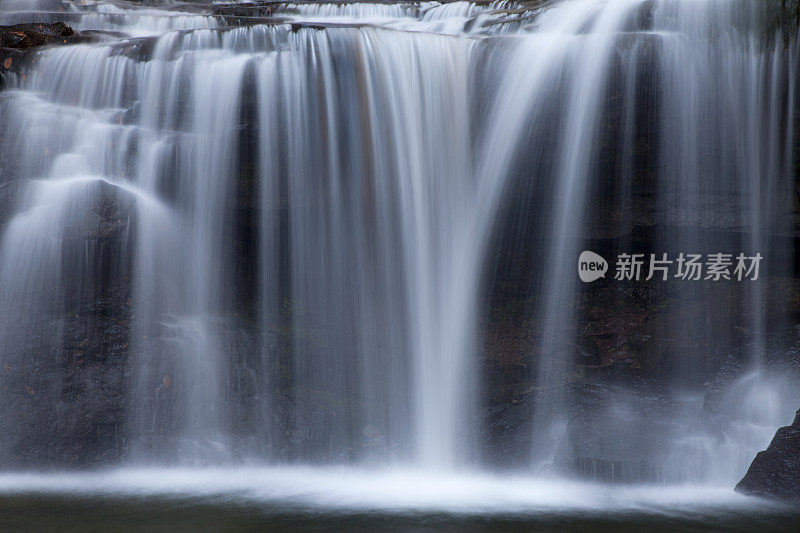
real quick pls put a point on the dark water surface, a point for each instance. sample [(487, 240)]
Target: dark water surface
[(83, 513)]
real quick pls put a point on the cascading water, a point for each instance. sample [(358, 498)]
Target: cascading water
[(294, 219), (752, 166)]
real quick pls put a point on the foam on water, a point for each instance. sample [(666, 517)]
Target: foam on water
[(394, 491)]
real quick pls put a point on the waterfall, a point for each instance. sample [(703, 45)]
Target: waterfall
[(749, 163), (284, 230), (573, 175), (373, 227)]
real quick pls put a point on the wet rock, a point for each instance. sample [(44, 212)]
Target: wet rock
[(775, 472), (508, 432), (9, 60), (9, 193), (63, 388), (730, 370), (587, 351), (25, 36), (64, 378), (18, 39), (244, 10), (599, 416)]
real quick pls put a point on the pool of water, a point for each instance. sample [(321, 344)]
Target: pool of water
[(320, 499)]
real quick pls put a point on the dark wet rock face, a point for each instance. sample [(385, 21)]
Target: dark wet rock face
[(775, 472), (54, 394), (16, 40), (624, 362), (65, 377), (599, 415), (25, 36)]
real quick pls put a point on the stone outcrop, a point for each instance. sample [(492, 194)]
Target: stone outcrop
[(775, 472), (16, 40), (25, 36)]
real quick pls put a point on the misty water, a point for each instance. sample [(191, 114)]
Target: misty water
[(262, 249)]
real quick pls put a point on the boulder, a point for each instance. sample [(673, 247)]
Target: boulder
[(24, 36), (775, 472), (16, 40)]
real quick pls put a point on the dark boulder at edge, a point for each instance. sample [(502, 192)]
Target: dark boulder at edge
[(775, 472)]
